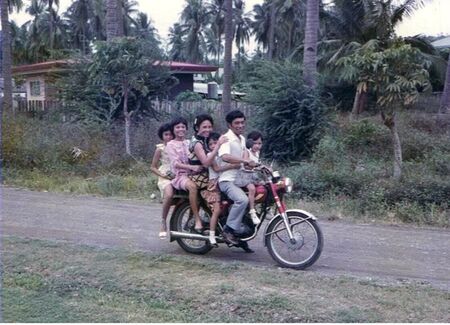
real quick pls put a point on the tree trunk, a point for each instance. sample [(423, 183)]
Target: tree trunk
[(389, 121), (445, 99), (127, 116), (310, 44), (359, 104), (6, 58), (114, 19), (271, 32), (227, 66)]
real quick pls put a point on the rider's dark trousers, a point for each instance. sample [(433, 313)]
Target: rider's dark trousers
[(240, 204)]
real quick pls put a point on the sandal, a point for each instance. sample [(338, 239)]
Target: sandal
[(199, 230)]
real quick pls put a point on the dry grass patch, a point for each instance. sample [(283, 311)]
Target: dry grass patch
[(56, 282)]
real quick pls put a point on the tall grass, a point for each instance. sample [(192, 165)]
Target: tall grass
[(348, 176)]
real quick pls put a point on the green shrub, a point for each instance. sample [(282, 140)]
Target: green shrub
[(291, 115), (365, 133), (421, 191)]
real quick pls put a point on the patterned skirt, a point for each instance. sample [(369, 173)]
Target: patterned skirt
[(211, 194)]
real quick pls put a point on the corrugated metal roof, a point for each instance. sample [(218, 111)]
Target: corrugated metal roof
[(442, 43), (180, 67)]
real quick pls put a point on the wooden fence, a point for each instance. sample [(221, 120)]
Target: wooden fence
[(24, 105), (189, 108), (161, 106)]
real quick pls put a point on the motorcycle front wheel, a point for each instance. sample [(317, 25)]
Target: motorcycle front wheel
[(184, 222), (306, 247)]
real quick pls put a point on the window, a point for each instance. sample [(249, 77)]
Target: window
[(35, 88)]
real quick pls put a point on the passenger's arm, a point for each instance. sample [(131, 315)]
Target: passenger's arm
[(236, 160), (205, 159), (175, 162), (219, 169)]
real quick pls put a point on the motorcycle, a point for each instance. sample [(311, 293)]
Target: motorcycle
[(292, 236)]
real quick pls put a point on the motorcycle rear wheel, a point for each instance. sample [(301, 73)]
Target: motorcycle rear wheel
[(184, 222), (308, 241)]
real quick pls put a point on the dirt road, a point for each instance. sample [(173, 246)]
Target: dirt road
[(386, 253)]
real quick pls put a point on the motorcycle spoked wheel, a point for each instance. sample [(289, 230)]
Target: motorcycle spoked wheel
[(308, 241), (184, 222)]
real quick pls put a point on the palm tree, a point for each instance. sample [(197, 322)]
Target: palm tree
[(114, 19), (6, 8), (97, 20), (445, 99), (227, 64), (143, 28), (261, 24), (176, 43), (78, 16), (37, 50), (310, 45), (242, 27), (51, 16), (18, 43), (271, 31), (195, 19), (128, 9), (291, 21), (214, 35)]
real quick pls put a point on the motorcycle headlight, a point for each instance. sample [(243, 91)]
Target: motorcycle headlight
[(289, 184)]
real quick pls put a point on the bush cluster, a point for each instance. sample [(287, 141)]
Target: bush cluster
[(290, 115), (355, 164)]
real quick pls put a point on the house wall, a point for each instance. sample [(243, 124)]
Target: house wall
[(186, 82)]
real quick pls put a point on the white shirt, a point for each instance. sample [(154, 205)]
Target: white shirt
[(235, 147), (212, 173)]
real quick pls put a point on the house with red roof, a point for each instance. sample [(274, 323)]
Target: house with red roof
[(39, 78)]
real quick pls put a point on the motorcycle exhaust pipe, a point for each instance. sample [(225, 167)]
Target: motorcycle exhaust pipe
[(187, 235)]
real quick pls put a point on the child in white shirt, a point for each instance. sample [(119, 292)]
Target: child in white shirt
[(248, 178)]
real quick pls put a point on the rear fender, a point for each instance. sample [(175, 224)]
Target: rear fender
[(307, 214)]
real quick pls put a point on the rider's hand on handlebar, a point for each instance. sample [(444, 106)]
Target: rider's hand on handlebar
[(250, 164)]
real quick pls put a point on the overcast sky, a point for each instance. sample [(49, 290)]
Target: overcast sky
[(433, 19)]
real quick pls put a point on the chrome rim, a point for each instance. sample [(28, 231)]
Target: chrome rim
[(300, 250)]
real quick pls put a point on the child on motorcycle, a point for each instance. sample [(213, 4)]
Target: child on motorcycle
[(248, 178), (212, 191), (160, 158)]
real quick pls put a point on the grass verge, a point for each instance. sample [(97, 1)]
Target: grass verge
[(46, 281)]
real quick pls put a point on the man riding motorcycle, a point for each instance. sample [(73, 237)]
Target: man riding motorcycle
[(234, 152)]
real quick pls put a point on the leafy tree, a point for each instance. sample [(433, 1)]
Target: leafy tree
[(120, 81), (395, 74), (350, 24), (290, 115)]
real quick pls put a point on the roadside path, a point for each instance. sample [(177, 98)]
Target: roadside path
[(391, 253)]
